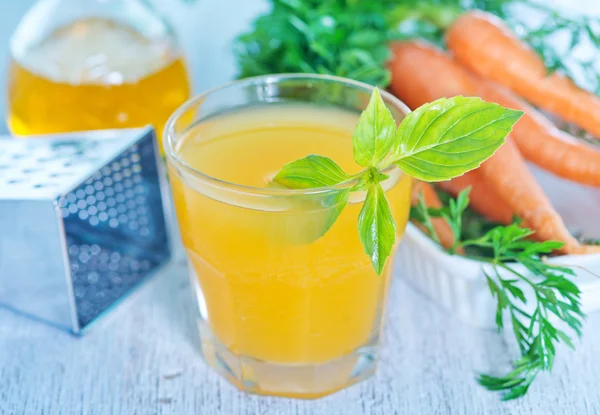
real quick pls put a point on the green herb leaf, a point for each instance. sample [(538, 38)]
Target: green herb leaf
[(450, 136), (338, 200), (376, 227), (311, 172), (552, 294), (444, 131), (332, 36), (374, 134)]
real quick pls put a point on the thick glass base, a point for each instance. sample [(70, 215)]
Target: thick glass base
[(307, 381)]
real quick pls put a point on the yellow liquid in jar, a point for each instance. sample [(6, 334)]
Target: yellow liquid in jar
[(94, 74), (271, 291)]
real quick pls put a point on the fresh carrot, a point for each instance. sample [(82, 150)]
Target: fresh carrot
[(483, 199), (537, 138), (441, 227), (542, 143), (507, 173), (484, 44), (441, 76), (416, 79)]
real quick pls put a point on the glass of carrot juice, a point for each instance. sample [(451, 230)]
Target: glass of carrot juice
[(285, 308)]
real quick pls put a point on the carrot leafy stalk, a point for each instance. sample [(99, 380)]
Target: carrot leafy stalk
[(579, 30), (553, 294)]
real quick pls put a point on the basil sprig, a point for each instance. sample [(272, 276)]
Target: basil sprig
[(438, 141)]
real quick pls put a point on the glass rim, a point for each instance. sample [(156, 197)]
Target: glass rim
[(169, 133)]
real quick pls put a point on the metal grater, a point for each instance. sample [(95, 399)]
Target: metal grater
[(82, 222)]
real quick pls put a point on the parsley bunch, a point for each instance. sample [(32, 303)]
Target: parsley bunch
[(350, 38), (334, 37)]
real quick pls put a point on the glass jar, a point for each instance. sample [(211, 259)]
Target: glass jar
[(289, 304), (93, 64)]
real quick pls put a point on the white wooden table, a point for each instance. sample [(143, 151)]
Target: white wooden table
[(144, 358)]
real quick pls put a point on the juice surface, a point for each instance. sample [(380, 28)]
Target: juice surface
[(273, 289), (94, 74)]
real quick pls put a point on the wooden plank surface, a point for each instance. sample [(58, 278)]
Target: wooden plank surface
[(144, 359)]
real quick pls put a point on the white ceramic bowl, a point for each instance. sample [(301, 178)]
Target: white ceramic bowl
[(459, 285)]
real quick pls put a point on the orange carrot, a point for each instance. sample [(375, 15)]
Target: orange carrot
[(483, 199), (540, 142), (537, 138), (508, 175), (441, 76), (484, 44), (416, 79), (441, 227)]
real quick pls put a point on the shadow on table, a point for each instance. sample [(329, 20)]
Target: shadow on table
[(177, 301)]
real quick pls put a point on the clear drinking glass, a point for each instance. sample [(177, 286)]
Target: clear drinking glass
[(285, 308)]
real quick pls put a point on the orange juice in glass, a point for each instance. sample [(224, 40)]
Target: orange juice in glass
[(284, 307)]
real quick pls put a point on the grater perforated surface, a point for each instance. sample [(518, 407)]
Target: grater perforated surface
[(41, 168), (106, 191), (118, 203)]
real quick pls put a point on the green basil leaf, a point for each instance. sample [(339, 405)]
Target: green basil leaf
[(308, 219), (310, 172), (338, 200), (374, 134), (448, 137), (376, 227)]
